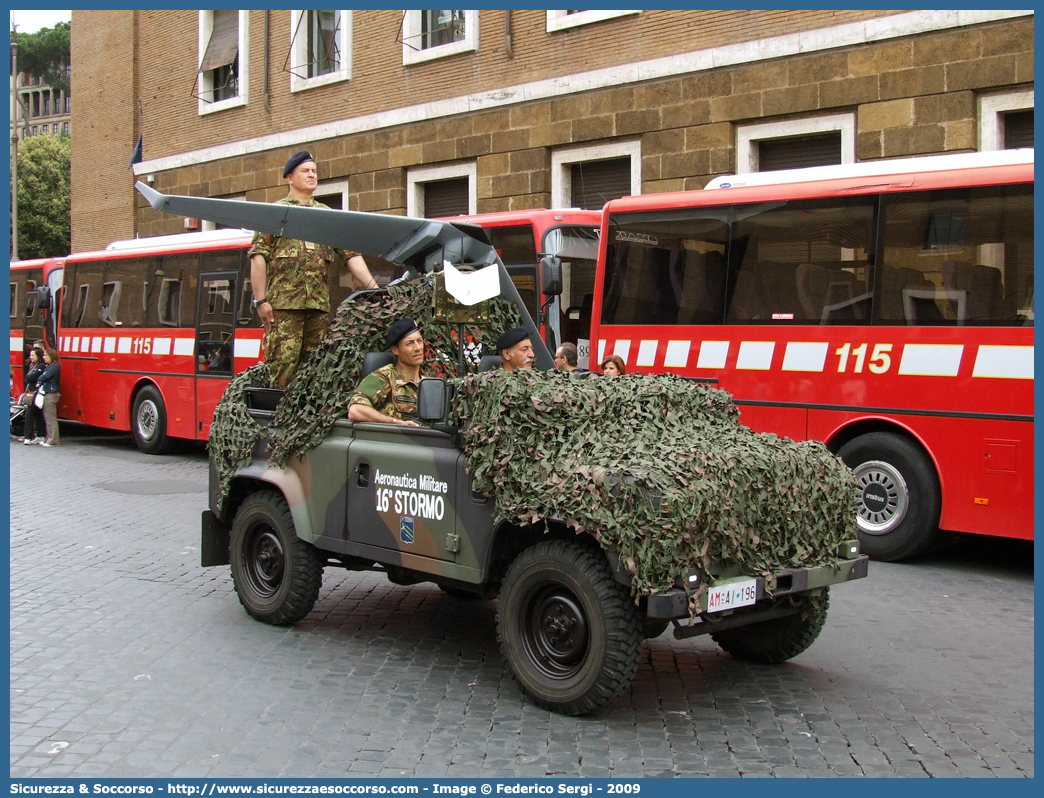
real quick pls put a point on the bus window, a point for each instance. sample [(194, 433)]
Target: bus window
[(801, 262), (123, 292), (958, 257), (173, 284), (516, 246), (666, 268), (85, 280), (14, 301), (112, 292), (216, 323)]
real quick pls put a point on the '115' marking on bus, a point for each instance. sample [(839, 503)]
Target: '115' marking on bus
[(141, 346), (880, 360)]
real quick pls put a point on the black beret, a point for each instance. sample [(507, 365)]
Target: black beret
[(296, 160), (512, 337), (400, 330)]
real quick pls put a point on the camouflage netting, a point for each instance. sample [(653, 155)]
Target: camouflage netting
[(318, 394), (656, 468)]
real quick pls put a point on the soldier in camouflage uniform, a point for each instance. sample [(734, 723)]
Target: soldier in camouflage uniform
[(290, 281), (389, 394)]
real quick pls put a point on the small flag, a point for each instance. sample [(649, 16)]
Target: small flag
[(136, 155)]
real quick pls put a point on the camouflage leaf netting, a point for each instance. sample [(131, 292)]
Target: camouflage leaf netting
[(319, 392), (656, 468)]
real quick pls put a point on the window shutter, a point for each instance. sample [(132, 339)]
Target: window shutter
[(223, 46), (446, 198), (1018, 129), (797, 152), (597, 182)]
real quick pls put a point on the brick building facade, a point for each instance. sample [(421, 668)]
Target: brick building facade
[(519, 109)]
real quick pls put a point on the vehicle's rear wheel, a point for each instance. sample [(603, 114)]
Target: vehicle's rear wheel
[(149, 422), (568, 631), (900, 499), (276, 574), (775, 641)]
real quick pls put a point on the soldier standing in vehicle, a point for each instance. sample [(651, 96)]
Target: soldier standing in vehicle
[(290, 280), (516, 349), (389, 394)]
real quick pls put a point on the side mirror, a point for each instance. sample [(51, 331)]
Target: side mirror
[(43, 294), (551, 275), (432, 400)]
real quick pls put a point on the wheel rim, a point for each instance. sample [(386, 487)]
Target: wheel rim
[(884, 497), (555, 630), (148, 419), (265, 561)]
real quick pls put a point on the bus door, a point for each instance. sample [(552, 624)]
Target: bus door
[(215, 326), (27, 319)]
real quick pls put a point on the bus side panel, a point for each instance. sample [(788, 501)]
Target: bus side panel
[(787, 422), (208, 394), (985, 467)]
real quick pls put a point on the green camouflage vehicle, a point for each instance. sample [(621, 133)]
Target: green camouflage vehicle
[(721, 532)]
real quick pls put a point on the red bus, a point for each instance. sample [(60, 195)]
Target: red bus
[(29, 319), (521, 238), (884, 308)]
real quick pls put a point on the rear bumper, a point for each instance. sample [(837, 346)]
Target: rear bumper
[(675, 603)]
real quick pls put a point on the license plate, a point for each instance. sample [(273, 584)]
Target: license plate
[(732, 595)]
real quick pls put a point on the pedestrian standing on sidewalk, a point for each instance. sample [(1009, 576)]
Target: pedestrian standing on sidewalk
[(34, 422), (50, 384)]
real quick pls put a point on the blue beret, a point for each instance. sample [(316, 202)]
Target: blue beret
[(400, 330), (511, 337), (296, 160)]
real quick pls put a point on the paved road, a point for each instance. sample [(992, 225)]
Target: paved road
[(128, 659)]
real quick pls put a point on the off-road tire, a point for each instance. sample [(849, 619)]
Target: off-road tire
[(775, 641), (568, 631), (908, 523), (276, 574), (149, 422)]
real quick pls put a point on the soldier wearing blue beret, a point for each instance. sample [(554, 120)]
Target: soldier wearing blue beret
[(389, 394), (290, 280)]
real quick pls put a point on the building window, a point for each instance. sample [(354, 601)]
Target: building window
[(795, 143), (65, 128), (36, 104), (591, 176), (320, 48), (563, 20), (47, 103), (68, 104), (434, 34), (54, 128), (1006, 120), (223, 62), (442, 191), (36, 129)]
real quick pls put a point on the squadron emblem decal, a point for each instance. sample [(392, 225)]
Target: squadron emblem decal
[(406, 530)]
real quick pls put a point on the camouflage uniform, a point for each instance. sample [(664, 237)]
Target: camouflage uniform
[(388, 390), (297, 288)]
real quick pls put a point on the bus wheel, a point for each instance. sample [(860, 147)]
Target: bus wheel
[(149, 422), (900, 499), (276, 574), (568, 631)]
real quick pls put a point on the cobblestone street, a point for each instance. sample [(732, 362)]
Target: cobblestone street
[(129, 659)]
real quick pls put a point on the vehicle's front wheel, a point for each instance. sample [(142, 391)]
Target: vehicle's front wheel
[(149, 422), (900, 501), (276, 574), (775, 641), (568, 631)]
